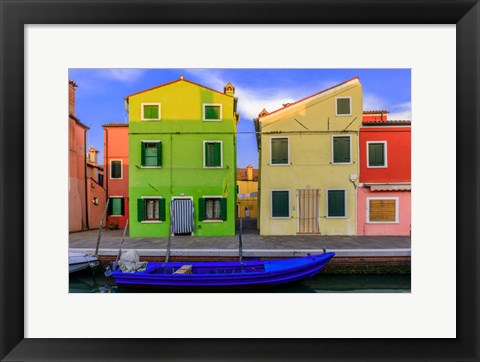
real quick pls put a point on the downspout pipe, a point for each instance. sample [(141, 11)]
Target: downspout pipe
[(85, 178)]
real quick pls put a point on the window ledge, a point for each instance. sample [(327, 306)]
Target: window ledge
[(382, 222), (336, 217), (342, 163), (279, 164), (150, 166), (212, 120), (151, 119), (377, 166), (214, 167), (116, 215), (151, 222), (212, 220), (280, 217)]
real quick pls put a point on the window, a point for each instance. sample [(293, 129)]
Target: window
[(116, 206), (212, 208), (341, 149), (377, 154), (279, 151), (151, 209), (212, 154), (336, 203), (116, 169), (343, 106), (384, 210), (212, 112), (100, 179), (151, 153), (150, 111), (280, 203)]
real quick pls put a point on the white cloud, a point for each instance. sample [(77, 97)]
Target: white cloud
[(122, 75), (372, 102), (402, 111)]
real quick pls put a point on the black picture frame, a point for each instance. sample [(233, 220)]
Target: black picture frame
[(15, 14)]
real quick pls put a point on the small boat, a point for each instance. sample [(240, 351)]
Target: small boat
[(249, 273), (79, 261)]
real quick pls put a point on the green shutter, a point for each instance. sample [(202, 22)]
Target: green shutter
[(218, 157), (343, 105), (279, 151), (141, 209), (150, 112), (116, 206), (159, 153), (341, 149), (109, 210), (223, 209), (280, 204), (142, 145), (376, 154), (336, 203), (122, 206), (161, 209), (212, 112), (201, 209)]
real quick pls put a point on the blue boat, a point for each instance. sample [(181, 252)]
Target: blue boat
[(248, 273)]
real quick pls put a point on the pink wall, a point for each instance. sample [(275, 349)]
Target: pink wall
[(76, 172), (115, 138), (404, 213), (95, 211)]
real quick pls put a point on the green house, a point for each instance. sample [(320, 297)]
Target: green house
[(182, 160)]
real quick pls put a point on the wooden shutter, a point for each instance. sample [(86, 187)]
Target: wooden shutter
[(280, 204), (201, 209), (212, 112), (217, 156), (343, 105), (341, 149), (142, 161), (336, 203), (382, 210), (141, 209), (159, 153), (122, 206), (223, 209), (110, 207), (279, 151), (150, 112), (161, 209), (376, 154)]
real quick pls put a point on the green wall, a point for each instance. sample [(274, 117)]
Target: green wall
[(182, 131)]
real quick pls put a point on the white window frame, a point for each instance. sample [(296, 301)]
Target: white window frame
[(385, 154), (213, 197), (271, 154), (345, 206), (212, 104), (121, 170), (221, 154), (397, 201), (289, 205), (159, 112), (333, 150), (118, 197), (336, 106), (151, 221), (150, 141)]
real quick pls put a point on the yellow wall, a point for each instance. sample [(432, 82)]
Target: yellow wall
[(247, 187), (251, 203), (311, 159)]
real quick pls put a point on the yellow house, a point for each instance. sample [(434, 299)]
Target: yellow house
[(247, 182), (308, 157)]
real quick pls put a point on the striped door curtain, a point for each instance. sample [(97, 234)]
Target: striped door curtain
[(182, 216)]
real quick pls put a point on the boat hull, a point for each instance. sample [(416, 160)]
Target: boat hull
[(79, 261), (260, 273)]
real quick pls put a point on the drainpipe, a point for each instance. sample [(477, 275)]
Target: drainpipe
[(85, 178)]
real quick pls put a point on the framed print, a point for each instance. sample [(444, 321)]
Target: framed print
[(438, 320)]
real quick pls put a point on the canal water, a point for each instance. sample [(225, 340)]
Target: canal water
[(87, 282)]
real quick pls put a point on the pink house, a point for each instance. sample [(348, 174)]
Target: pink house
[(77, 167), (115, 136), (96, 195), (384, 192)]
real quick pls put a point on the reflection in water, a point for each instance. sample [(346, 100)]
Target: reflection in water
[(87, 282)]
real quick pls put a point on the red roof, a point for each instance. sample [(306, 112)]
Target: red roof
[(242, 174), (115, 124), (375, 112), (303, 99), (390, 122), (181, 79)]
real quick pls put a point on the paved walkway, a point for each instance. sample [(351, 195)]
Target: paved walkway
[(253, 244)]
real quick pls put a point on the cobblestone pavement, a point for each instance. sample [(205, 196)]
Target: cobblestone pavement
[(250, 237)]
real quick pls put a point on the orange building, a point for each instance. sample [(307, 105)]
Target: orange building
[(77, 167), (115, 138), (247, 182), (96, 196)]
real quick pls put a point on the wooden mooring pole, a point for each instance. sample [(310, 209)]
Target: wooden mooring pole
[(100, 227)]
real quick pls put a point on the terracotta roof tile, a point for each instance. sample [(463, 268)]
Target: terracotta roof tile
[(242, 174), (115, 124), (390, 122), (376, 112)]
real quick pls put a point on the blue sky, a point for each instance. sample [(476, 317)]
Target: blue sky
[(100, 94)]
